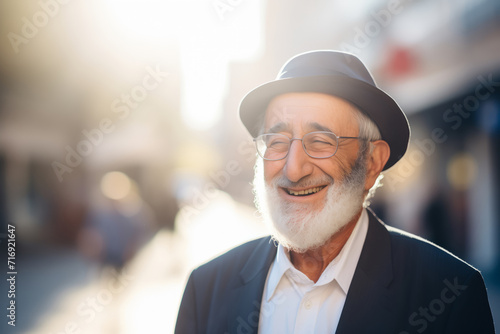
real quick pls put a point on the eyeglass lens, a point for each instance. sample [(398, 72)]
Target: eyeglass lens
[(316, 144)]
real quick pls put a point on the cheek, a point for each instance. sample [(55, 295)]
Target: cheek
[(272, 169), (344, 160), (338, 168), (332, 167)]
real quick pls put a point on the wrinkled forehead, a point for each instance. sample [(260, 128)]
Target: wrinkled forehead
[(310, 112)]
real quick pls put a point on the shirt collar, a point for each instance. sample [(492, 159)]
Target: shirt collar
[(340, 269), (279, 267), (349, 255)]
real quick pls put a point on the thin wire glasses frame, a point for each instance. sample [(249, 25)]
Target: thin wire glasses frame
[(316, 144)]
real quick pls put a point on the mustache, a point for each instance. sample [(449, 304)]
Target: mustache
[(306, 182)]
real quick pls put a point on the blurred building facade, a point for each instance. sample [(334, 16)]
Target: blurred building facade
[(80, 98)]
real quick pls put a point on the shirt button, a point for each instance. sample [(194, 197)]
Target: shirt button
[(308, 305)]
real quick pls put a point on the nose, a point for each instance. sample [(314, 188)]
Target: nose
[(298, 163)]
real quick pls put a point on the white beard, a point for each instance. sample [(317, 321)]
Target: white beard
[(296, 226)]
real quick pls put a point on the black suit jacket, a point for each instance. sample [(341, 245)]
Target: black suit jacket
[(402, 284)]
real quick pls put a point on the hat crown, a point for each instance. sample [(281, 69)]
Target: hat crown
[(325, 63)]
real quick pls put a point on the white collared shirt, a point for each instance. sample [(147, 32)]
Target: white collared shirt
[(292, 303)]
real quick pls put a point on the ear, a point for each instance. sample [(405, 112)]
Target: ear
[(376, 162)]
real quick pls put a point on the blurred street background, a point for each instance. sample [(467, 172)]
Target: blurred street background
[(123, 163)]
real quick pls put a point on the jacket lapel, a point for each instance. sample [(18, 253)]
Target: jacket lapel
[(368, 298), (247, 294)]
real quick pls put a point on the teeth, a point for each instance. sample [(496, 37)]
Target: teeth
[(305, 192)]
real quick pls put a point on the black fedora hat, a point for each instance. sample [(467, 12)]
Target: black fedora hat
[(335, 73)]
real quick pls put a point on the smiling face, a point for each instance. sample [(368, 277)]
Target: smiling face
[(296, 114), (307, 200)]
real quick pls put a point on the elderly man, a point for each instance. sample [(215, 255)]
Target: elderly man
[(324, 132)]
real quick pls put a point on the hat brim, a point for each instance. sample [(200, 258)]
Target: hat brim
[(375, 103)]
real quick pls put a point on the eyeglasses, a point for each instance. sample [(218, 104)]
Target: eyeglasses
[(317, 144)]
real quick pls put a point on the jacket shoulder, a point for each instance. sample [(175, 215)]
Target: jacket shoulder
[(425, 256), (428, 278), (215, 288)]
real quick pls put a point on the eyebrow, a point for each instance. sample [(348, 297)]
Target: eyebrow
[(318, 127), (282, 126)]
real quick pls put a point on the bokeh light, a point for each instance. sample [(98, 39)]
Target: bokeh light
[(462, 171), (115, 185)]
